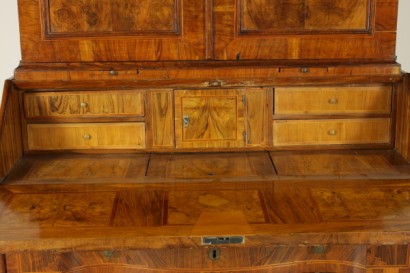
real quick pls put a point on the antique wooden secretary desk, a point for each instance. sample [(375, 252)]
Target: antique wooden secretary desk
[(206, 136)]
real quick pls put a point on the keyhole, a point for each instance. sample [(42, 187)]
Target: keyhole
[(214, 254)]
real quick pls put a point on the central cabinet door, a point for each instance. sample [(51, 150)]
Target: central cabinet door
[(210, 118)]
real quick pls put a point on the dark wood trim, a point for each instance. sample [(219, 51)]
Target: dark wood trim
[(3, 266), (403, 118), (10, 130)]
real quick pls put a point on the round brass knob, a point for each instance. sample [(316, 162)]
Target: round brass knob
[(83, 104), (333, 101), (332, 132), (304, 70), (86, 136), (215, 83)]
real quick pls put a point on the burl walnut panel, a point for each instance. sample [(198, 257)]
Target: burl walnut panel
[(96, 17), (269, 29), (111, 30), (312, 15)]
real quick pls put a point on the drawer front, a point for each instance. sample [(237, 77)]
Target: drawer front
[(86, 136), (333, 259), (326, 131), (74, 104), (333, 100)]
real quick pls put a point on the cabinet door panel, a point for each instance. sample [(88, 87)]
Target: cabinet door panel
[(112, 30), (92, 17), (313, 29), (299, 15), (209, 118)]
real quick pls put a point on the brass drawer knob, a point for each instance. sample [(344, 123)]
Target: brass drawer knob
[(86, 136), (333, 101), (332, 132), (304, 70), (83, 104), (215, 83)]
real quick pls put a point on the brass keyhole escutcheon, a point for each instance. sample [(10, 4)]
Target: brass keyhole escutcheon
[(186, 121), (214, 254)]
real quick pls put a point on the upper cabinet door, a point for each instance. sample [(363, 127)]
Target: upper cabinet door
[(112, 30), (305, 29)]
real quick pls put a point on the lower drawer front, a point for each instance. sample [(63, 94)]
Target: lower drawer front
[(86, 136), (325, 131), (278, 259), (271, 259)]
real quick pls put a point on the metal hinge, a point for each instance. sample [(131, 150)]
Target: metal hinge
[(244, 100)]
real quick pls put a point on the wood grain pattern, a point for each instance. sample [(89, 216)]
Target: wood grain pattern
[(115, 28), (313, 15), (268, 259), (181, 30), (83, 103), (393, 255), (58, 210), (350, 203), (333, 100), (343, 131), (231, 73), (215, 118), (85, 209), (83, 167), (339, 164), (141, 208), (291, 206), (86, 136), (335, 259), (3, 266), (10, 130), (403, 117), (210, 165), (258, 114), (261, 29), (185, 207), (160, 123), (101, 17)]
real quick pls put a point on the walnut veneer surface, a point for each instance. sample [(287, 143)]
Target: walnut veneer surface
[(312, 198), (134, 132), (339, 211)]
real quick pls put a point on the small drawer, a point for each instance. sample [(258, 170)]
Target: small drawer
[(327, 131), (86, 136), (333, 100), (83, 103)]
